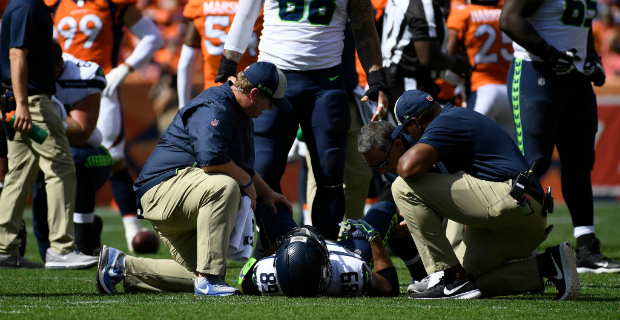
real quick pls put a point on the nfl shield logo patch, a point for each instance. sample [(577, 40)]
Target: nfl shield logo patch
[(215, 122)]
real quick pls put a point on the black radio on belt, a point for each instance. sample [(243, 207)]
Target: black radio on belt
[(522, 181)]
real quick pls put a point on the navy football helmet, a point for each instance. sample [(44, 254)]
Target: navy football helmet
[(302, 263)]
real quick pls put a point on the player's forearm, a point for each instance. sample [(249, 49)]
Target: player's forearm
[(513, 22), (232, 170), (150, 42), (19, 75), (184, 74), (381, 257), (361, 15), (262, 188), (240, 32)]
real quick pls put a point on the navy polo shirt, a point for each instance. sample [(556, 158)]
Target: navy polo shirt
[(471, 142), (28, 24), (210, 130)]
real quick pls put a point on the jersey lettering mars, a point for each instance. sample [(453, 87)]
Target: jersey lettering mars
[(351, 276), (90, 30), (303, 35), (488, 48), (212, 19)]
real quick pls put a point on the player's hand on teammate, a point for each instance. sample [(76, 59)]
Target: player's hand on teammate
[(273, 197), (358, 229), (114, 78), (227, 69), (593, 69), (377, 91)]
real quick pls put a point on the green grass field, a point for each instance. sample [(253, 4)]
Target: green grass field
[(71, 294)]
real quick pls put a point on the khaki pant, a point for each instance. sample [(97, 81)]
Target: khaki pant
[(497, 230), (54, 158), (194, 213), (357, 175)]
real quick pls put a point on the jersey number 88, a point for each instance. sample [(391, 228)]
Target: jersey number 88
[(320, 12)]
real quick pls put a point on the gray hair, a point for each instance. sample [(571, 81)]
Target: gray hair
[(376, 134)]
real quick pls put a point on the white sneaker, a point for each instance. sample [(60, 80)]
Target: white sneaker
[(215, 287), (71, 260), (428, 281)]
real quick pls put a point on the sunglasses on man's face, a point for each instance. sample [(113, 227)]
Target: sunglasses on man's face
[(383, 164)]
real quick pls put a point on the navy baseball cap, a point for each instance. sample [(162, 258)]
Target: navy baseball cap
[(411, 104), (271, 81)]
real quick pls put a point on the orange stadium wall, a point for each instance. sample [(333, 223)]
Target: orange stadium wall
[(141, 138)]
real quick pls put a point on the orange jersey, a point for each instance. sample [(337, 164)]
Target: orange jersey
[(489, 49), (212, 19), (92, 32)]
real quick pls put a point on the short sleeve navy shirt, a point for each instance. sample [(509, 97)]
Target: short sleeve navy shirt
[(210, 130), (471, 142), (28, 24)]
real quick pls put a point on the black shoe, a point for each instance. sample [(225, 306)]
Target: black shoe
[(561, 270), (450, 288), (22, 237), (591, 260)]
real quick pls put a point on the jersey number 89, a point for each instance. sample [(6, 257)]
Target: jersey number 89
[(320, 12)]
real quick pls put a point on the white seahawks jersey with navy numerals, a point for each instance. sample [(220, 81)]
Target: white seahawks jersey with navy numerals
[(78, 80), (303, 35), (351, 276), (564, 24)]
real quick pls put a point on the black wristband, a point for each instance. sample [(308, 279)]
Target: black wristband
[(544, 50), (391, 276), (228, 68), (377, 81), (377, 77)]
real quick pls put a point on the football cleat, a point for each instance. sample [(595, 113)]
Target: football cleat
[(591, 260)]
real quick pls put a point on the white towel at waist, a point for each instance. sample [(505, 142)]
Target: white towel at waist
[(242, 236)]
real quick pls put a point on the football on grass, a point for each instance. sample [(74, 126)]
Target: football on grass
[(145, 241)]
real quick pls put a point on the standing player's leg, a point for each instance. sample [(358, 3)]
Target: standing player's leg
[(325, 131), (92, 170), (535, 111), (575, 144), (111, 124)]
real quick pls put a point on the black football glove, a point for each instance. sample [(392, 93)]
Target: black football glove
[(377, 81), (228, 68), (462, 66), (561, 62), (593, 69)]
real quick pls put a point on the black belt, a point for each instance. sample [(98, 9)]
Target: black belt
[(31, 92)]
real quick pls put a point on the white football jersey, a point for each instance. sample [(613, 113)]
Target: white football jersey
[(564, 25), (303, 35), (78, 80), (351, 275)]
